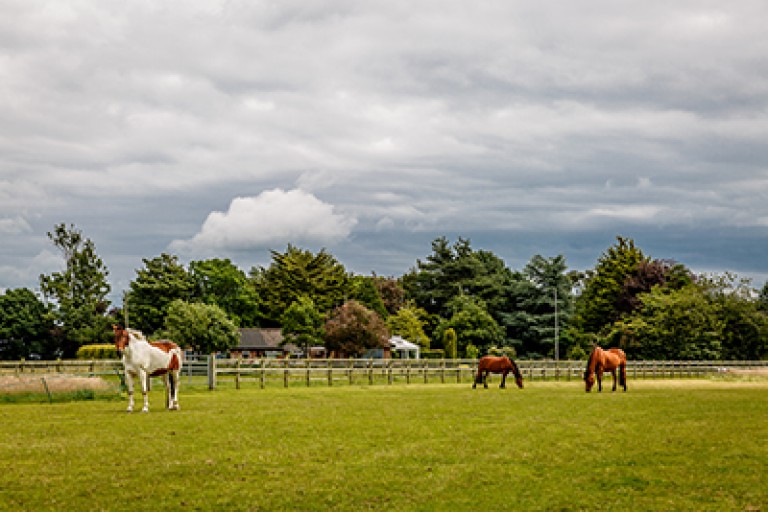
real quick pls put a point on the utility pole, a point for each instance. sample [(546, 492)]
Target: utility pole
[(125, 308), (557, 344)]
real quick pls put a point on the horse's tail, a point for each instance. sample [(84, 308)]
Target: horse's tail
[(515, 369)]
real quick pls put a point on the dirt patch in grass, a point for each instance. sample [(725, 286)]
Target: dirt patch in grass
[(757, 372), (55, 383)]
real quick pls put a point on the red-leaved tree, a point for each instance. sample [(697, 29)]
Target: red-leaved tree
[(352, 329)]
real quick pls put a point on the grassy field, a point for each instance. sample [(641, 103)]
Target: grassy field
[(664, 445)]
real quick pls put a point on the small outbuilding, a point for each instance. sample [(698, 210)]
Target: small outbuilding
[(404, 348), (261, 343)]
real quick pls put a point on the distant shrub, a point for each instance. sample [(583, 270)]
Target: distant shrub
[(97, 351), (432, 353), (502, 351)]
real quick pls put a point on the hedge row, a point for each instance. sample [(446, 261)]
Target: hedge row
[(103, 351)]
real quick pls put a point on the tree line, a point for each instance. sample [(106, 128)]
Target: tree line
[(456, 302)]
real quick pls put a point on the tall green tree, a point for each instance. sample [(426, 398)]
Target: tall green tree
[(299, 273), (205, 328), (161, 281), (78, 294), (352, 329), (303, 324), (26, 326), (472, 323), (598, 306), (671, 324), (409, 323), (457, 269), (363, 289), (220, 282), (762, 298), (744, 332), (549, 305), (449, 343)]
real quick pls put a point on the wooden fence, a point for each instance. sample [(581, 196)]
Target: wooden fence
[(268, 372), (285, 372)]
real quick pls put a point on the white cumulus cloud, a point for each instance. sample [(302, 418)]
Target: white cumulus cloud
[(274, 217)]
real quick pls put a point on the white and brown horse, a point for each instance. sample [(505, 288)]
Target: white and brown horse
[(142, 359)]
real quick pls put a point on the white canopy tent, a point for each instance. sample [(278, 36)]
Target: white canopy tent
[(405, 348)]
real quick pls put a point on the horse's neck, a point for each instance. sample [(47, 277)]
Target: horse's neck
[(594, 360), (136, 348)]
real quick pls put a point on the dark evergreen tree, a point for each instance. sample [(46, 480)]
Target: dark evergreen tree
[(162, 281)]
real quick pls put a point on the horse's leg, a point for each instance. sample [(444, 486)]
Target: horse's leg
[(144, 379), (485, 379), (613, 374), (129, 384), (503, 379), (623, 376), (477, 379), (599, 377), (175, 378), (167, 387)]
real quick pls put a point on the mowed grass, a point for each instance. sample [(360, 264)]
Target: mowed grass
[(664, 445)]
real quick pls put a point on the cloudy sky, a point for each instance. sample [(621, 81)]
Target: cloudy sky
[(228, 128)]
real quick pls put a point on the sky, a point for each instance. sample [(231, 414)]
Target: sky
[(227, 129)]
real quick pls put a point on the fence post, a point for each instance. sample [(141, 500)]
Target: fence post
[(351, 370), (330, 372), (263, 372), (389, 371), (285, 372), (370, 371), (309, 364), (237, 374), (211, 372)]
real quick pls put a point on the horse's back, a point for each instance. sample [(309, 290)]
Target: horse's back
[(614, 357), (618, 353), (495, 363), (170, 349)]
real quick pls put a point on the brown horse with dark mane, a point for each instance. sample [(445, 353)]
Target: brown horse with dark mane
[(605, 361), (502, 365)]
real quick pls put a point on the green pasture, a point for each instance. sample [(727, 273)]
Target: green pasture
[(664, 445)]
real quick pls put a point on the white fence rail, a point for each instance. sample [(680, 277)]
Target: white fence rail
[(329, 372)]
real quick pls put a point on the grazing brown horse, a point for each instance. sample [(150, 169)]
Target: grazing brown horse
[(605, 361), (502, 365)]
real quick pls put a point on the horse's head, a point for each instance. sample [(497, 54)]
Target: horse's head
[(589, 381), (516, 372), (121, 337)]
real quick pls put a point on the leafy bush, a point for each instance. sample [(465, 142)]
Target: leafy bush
[(97, 351)]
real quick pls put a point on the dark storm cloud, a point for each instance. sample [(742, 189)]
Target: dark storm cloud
[(220, 128)]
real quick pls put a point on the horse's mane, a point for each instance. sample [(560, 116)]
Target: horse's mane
[(136, 334), (592, 357)]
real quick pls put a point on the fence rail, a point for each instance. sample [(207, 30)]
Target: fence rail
[(329, 372)]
